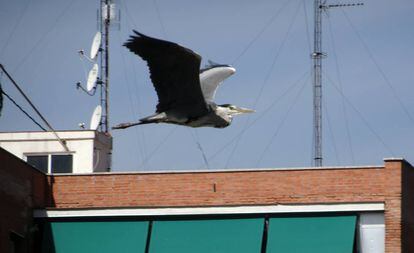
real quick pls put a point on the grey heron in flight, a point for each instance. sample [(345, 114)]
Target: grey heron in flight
[(185, 93)]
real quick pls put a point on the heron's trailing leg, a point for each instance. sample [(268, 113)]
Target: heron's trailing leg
[(156, 118), (126, 125)]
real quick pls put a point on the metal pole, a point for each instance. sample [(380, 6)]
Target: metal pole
[(107, 23), (317, 84)]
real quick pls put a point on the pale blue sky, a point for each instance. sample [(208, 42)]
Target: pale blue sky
[(40, 39)]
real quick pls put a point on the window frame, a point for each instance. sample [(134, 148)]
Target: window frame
[(49, 159)]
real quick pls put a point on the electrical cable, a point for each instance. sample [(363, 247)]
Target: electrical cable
[(344, 111), (279, 126), (382, 73), (54, 23), (34, 108), (196, 139), (257, 36), (135, 81), (14, 29), (160, 19), (128, 15), (132, 107), (328, 121), (264, 113), (307, 27), (158, 146), (267, 77), (23, 111), (361, 116)]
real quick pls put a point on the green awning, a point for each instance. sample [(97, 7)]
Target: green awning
[(105, 236), (207, 236), (311, 234)]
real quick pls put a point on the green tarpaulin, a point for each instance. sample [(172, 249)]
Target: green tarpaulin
[(102, 237), (207, 236), (332, 234)]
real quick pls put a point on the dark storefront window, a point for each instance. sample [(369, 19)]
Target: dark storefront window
[(39, 162), (62, 163)]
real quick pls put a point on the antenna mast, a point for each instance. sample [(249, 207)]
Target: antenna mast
[(105, 22), (107, 18), (317, 56)]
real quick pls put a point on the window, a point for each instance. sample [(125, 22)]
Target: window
[(51, 163), (61, 163), (40, 162)]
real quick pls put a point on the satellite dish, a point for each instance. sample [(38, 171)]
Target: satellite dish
[(96, 118), (92, 76), (96, 44)]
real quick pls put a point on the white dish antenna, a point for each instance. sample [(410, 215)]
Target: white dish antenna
[(92, 76), (96, 44), (96, 118)]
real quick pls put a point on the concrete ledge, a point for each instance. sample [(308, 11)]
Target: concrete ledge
[(165, 211)]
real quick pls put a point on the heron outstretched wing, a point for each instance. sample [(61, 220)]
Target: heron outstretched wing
[(174, 73), (212, 77)]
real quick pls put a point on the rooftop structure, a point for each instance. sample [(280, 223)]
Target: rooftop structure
[(340, 209), (88, 151)]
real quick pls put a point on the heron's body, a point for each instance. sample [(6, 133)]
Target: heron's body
[(216, 117), (185, 93)]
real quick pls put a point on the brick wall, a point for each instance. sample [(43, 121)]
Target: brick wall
[(191, 189), (22, 188), (219, 188)]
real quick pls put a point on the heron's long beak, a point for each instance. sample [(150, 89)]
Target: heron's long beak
[(244, 110)]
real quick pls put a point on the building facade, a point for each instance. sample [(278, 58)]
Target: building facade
[(336, 209), (83, 151)]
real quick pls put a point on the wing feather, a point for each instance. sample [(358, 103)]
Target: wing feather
[(174, 72)]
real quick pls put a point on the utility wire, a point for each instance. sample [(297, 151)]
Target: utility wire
[(22, 110), (196, 139), (307, 27), (54, 23), (361, 116), (387, 81), (132, 107), (257, 36), (267, 77), (128, 15), (14, 29), (264, 113), (34, 108), (160, 19), (131, 23), (338, 73), (279, 126), (158, 146), (328, 121)]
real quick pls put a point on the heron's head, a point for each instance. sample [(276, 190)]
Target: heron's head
[(235, 110)]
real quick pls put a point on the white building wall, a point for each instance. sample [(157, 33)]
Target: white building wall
[(82, 145)]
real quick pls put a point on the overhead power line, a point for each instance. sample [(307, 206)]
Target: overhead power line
[(23, 110), (34, 108), (380, 70)]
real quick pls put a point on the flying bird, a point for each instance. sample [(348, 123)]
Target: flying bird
[(185, 93)]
